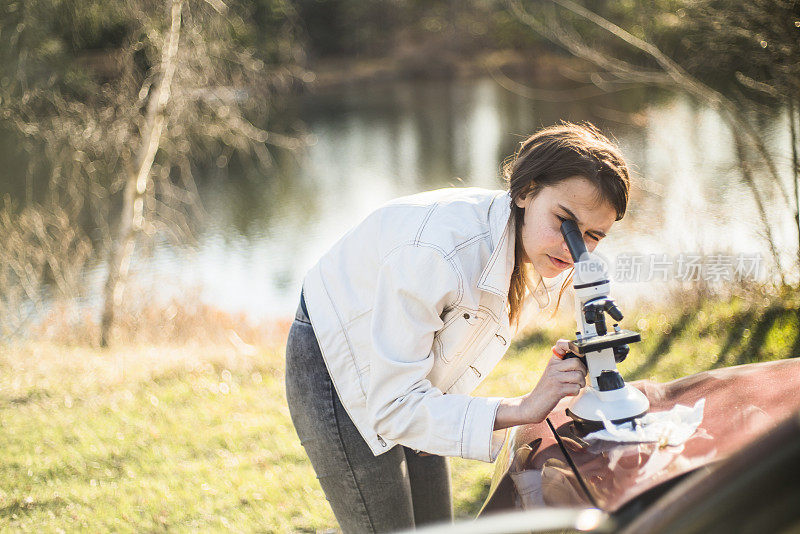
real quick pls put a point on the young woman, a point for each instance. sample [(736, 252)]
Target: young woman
[(412, 308)]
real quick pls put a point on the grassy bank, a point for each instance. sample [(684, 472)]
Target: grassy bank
[(196, 436), (151, 438)]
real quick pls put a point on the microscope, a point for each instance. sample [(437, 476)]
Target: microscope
[(606, 395)]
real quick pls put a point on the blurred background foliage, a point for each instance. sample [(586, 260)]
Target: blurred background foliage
[(71, 43), (80, 81)]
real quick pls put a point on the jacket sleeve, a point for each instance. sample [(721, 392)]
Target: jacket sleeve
[(415, 283)]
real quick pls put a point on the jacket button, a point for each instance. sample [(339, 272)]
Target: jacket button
[(466, 316)]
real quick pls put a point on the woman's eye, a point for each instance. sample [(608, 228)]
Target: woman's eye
[(591, 236)]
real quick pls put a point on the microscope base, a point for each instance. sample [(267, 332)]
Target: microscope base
[(587, 426), (618, 406)]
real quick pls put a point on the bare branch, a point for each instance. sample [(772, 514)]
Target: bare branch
[(755, 85), (218, 5), (600, 87), (679, 77), (133, 203)]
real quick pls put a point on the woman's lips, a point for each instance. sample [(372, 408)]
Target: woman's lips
[(558, 263)]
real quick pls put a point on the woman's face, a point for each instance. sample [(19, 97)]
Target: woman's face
[(575, 198)]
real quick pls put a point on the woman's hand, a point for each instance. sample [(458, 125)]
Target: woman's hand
[(561, 378), (561, 348)]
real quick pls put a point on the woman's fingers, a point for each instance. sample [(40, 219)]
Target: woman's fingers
[(570, 364), (570, 390), (561, 347), (573, 377)]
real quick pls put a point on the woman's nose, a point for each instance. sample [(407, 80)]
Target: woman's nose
[(565, 249)]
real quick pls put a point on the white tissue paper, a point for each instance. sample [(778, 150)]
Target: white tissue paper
[(672, 427)]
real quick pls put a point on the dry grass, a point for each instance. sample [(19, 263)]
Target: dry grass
[(179, 321)]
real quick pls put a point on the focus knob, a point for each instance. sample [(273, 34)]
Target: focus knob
[(609, 381), (612, 310)]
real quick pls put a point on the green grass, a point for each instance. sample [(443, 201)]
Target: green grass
[(718, 335), (198, 437), (180, 439)]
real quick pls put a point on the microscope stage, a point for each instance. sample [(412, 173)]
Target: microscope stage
[(598, 343)]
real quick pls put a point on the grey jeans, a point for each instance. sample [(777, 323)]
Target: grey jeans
[(399, 489)]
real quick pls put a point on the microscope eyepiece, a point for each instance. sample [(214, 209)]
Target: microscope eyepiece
[(572, 235)]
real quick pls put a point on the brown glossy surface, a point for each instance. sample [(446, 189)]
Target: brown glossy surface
[(741, 404)]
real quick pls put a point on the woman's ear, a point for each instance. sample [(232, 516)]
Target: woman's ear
[(521, 202)]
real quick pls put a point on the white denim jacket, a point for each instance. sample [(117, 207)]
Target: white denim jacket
[(409, 309)]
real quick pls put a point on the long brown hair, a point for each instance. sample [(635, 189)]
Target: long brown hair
[(546, 158)]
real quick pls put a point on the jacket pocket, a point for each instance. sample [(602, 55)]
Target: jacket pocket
[(485, 354), (459, 334)]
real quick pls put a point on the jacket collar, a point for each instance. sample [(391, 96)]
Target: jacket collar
[(496, 276)]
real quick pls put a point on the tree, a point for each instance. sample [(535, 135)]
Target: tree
[(123, 97), (711, 39)]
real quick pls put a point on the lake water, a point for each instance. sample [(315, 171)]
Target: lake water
[(265, 228)]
